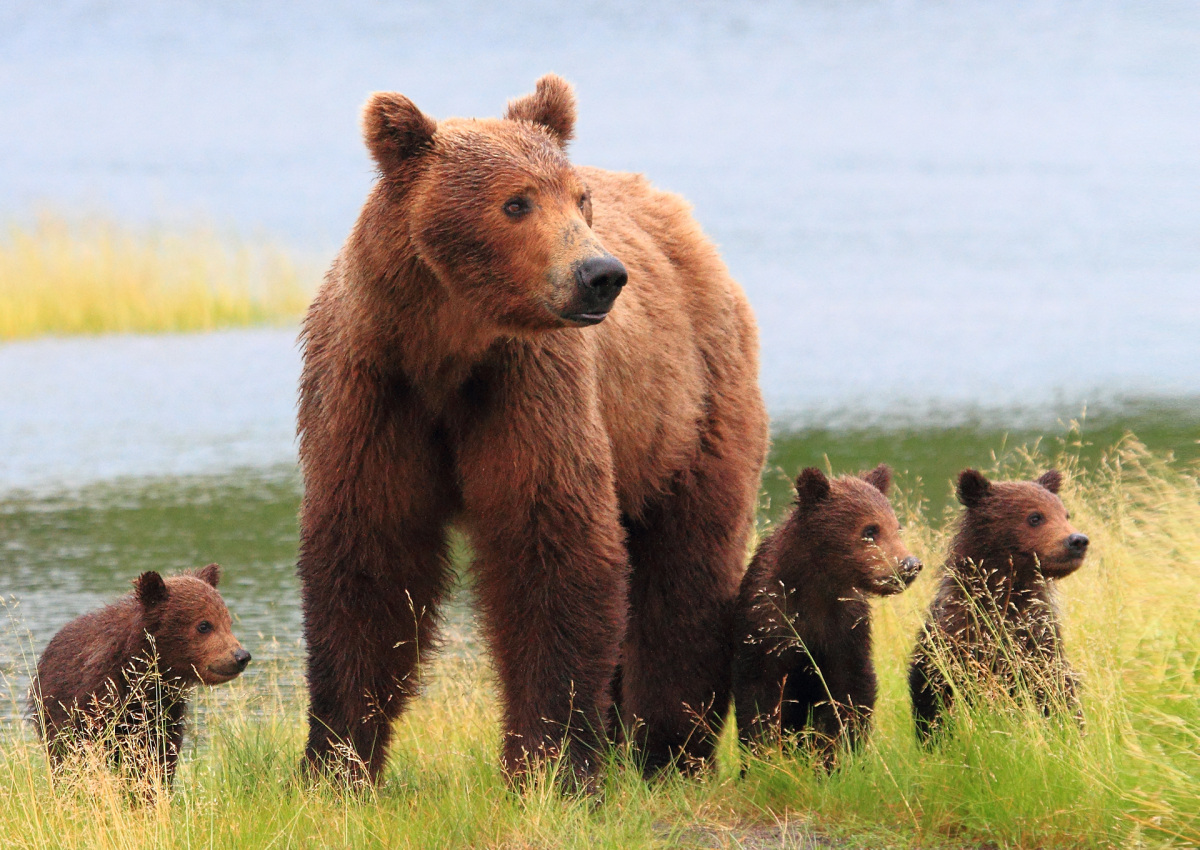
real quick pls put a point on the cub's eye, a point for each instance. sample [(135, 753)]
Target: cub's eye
[(1035, 519), (871, 532), (583, 201), (516, 207), (204, 627)]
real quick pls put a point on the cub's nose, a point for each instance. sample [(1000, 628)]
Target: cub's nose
[(605, 274), (242, 658), (1077, 544), (909, 568)]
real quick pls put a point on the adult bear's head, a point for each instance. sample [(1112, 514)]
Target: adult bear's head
[(494, 208)]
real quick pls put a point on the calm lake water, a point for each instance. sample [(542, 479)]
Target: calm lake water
[(956, 222), (957, 204)]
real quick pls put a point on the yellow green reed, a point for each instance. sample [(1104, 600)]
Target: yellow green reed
[(93, 275)]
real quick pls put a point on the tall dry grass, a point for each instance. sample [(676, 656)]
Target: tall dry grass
[(93, 276), (1006, 777)]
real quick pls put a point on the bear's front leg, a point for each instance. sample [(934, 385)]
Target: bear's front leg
[(842, 718), (540, 506), (762, 662), (379, 493), (930, 692)]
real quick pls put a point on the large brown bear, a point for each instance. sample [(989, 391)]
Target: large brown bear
[(803, 629), (468, 360), (993, 620), (121, 676)]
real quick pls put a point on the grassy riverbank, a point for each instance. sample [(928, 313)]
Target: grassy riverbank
[(92, 276), (1007, 779)]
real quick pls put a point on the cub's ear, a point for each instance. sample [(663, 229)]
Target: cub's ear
[(150, 589), (880, 478), (552, 106), (210, 575), (812, 487), (1051, 479), (394, 129), (972, 487)]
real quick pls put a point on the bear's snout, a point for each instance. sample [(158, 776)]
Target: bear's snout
[(598, 282), (229, 667), (910, 567), (1077, 545), (896, 578)]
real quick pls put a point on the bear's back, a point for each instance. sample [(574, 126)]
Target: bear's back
[(680, 334), (86, 652)]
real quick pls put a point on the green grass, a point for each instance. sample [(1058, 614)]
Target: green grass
[(93, 276), (1006, 778)]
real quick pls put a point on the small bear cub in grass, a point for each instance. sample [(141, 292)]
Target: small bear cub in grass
[(119, 678), (993, 621), (802, 625)]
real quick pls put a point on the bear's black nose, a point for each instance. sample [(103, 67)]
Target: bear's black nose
[(242, 657), (598, 282), (605, 274), (909, 568), (1077, 544)]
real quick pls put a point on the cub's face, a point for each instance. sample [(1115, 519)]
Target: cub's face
[(192, 629), (858, 530), (497, 212), (1025, 519)]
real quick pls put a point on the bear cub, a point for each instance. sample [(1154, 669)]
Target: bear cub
[(120, 677), (993, 619), (802, 625)]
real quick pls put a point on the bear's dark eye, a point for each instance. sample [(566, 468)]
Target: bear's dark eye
[(582, 201), (516, 207), (871, 532), (204, 627), (1035, 519)]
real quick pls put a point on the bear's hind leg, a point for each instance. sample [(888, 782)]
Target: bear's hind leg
[(687, 553)]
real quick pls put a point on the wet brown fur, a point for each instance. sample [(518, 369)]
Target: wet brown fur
[(994, 612), (122, 675), (803, 653), (605, 475)]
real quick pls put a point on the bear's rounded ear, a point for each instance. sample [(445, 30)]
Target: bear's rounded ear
[(972, 487), (811, 487), (1051, 479), (150, 589), (552, 105), (210, 575), (394, 129), (880, 478)]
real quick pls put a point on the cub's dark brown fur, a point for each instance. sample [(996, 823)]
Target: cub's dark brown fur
[(803, 652), (556, 359), (121, 676), (993, 617)]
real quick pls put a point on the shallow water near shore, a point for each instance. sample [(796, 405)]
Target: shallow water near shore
[(927, 204)]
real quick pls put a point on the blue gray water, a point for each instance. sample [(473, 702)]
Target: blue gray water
[(934, 208)]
